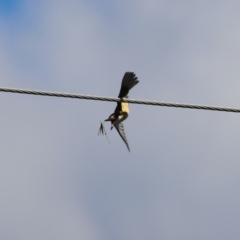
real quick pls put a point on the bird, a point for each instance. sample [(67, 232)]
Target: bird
[(122, 110)]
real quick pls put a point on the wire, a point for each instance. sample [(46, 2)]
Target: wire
[(112, 99)]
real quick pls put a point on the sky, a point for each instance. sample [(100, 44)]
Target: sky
[(59, 180)]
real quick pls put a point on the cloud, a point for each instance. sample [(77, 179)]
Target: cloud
[(59, 180)]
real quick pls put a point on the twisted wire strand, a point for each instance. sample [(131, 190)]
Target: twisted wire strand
[(112, 99)]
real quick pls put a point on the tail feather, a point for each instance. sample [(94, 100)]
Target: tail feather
[(128, 82)]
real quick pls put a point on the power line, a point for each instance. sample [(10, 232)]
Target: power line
[(112, 99)]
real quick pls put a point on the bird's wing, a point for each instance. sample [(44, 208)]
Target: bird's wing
[(129, 81), (122, 134)]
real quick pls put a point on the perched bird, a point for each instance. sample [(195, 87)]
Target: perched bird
[(122, 110)]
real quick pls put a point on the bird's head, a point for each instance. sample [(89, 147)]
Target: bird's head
[(111, 118)]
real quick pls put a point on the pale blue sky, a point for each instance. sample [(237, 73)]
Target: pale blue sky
[(59, 180), (9, 6)]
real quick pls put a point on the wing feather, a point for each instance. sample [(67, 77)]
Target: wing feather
[(128, 82), (122, 134)]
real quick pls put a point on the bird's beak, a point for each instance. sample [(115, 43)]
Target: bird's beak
[(107, 120)]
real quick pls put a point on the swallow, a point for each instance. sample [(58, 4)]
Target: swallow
[(122, 110)]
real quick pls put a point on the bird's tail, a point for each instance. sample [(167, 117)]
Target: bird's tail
[(128, 82)]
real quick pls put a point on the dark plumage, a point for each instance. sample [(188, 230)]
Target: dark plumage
[(128, 82), (122, 134)]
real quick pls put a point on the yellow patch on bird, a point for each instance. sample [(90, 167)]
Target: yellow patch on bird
[(124, 107)]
